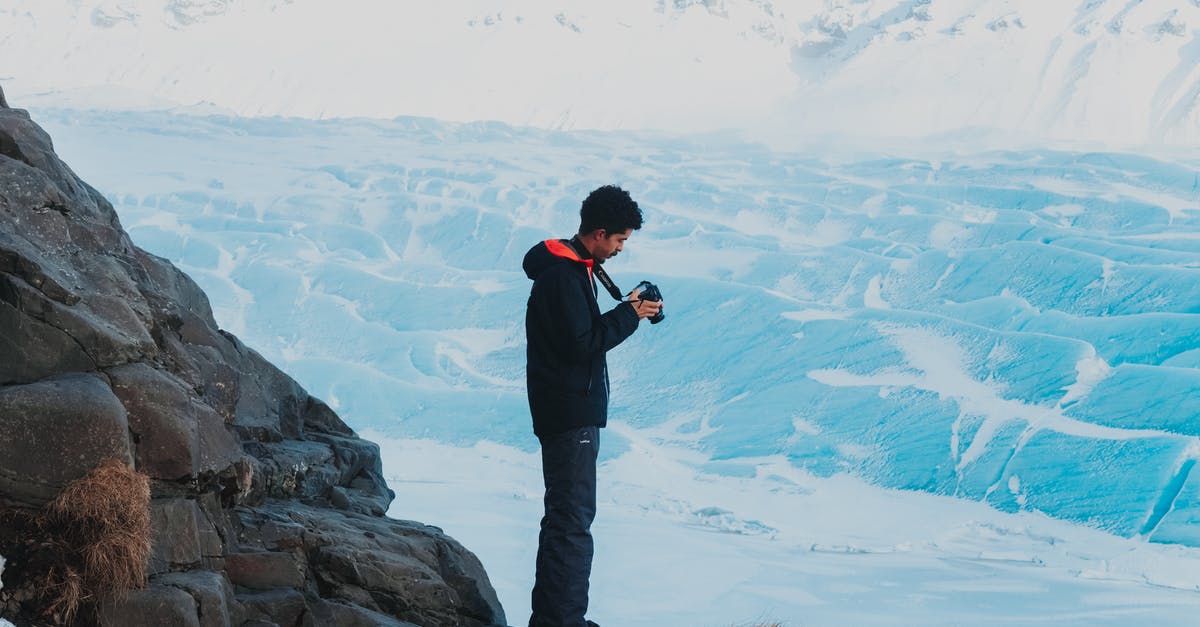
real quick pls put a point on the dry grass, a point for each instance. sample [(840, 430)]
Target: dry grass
[(64, 592), (107, 515), (92, 541)]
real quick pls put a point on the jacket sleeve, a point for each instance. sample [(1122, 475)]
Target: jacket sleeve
[(580, 338)]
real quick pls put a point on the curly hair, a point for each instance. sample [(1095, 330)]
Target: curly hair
[(609, 208)]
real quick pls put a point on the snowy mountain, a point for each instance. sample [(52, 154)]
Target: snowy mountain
[(1095, 70)]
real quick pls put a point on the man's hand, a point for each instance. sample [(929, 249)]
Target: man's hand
[(644, 308)]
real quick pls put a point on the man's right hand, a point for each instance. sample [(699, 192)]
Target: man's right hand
[(644, 308)]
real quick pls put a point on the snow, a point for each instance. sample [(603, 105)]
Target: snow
[(681, 545), (3, 623), (791, 72), (890, 390)]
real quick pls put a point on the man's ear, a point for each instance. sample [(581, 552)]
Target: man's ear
[(601, 233)]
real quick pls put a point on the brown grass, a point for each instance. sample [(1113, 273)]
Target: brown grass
[(91, 542), (107, 515), (64, 591)]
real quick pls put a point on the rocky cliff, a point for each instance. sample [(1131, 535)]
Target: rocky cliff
[(266, 508)]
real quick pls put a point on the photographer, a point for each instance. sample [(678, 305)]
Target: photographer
[(567, 377)]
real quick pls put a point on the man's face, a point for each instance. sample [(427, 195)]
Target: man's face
[(609, 245)]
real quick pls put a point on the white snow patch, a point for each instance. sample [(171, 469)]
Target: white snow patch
[(1063, 211), (1091, 370), (810, 315), (724, 550), (487, 286), (873, 297), (3, 623), (947, 235)]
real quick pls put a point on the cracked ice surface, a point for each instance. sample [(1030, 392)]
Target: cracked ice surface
[(1016, 328)]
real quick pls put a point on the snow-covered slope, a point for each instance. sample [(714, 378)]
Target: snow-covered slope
[(1106, 70)]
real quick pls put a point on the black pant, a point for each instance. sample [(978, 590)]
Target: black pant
[(564, 557)]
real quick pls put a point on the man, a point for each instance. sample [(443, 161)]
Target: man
[(567, 377)]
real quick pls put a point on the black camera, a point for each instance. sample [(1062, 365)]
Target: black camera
[(649, 291)]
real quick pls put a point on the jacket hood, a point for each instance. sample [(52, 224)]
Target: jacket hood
[(548, 253)]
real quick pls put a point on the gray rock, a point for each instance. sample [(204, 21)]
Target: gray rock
[(268, 529), (213, 594), (340, 498), (55, 431), (319, 418), (154, 606), (176, 524), (285, 608), (23, 141), (212, 527), (266, 570), (177, 435), (270, 404), (403, 569), (204, 370), (295, 468), (343, 615), (34, 350)]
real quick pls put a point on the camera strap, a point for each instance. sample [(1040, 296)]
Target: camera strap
[(602, 276), (597, 269)]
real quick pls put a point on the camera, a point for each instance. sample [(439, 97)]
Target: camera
[(649, 291)]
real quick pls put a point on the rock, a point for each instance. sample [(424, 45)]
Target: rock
[(27, 264), (176, 524), (55, 431), (23, 141), (339, 497), (270, 404), (285, 608), (265, 571), (34, 350), (342, 615), (352, 456), (403, 569), (178, 299), (106, 328), (153, 606), (212, 527), (213, 594), (295, 468), (268, 529), (259, 490), (177, 436), (205, 371), (319, 418)]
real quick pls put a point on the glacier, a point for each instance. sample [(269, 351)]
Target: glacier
[(1018, 328)]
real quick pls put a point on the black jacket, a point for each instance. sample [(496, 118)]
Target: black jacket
[(566, 372)]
